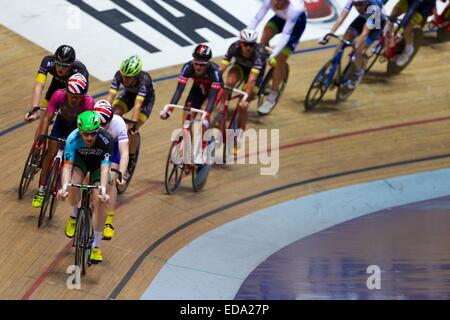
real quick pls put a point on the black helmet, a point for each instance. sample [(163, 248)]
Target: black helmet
[(202, 52), (65, 54)]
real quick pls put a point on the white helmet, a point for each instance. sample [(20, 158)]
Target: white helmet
[(249, 35)]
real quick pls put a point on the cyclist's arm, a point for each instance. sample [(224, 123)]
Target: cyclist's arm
[(339, 20), (124, 156), (37, 89), (106, 164), (411, 10), (114, 88), (111, 96), (69, 157), (260, 15), (361, 39), (213, 92), (179, 90), (44, 124), (138, 102), (251, 82)]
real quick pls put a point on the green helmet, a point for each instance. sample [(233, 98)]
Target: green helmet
[(131, 67), (88, 121)]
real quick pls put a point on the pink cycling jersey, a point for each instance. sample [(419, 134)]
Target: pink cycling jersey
[(68, 113)]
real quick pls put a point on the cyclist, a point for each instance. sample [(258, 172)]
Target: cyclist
[(416, 13), (139, 96), (362, 30), (207, 84), (249, 65), (116, 126), (88, 149), (70, 103), (62, 65), (290, 21)]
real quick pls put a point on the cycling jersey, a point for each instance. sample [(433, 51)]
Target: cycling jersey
[(255, 62), (140, 89), (142, 85), (48, 65), (59, 102), (99, 153), (294, 12), (118, 130), (205, 86)]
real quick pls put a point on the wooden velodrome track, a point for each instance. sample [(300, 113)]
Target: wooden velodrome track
[(389, 127)]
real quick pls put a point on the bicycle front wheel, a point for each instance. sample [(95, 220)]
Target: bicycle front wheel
[(319, 86), (174, 166), (50, 192)]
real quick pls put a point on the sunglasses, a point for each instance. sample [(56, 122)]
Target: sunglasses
[(89, 134), (248, 44), (62, 65), (201, 63)]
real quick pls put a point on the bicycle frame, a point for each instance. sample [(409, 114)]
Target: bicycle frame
[(60, 156), (186, 130), (336, 60)]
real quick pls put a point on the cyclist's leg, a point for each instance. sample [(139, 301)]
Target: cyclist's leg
[(74, 196), (271, 28), (98, 214), (108, 231), (59, 130), (121, 104), (282, 58)]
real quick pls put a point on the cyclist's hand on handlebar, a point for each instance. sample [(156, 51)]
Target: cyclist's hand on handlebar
[(272, 61), (61, 195), (164, 114), (133, 130), (243, 104), (103, 197), (121, 183), (323, 40), (30, 116), (39, 143)]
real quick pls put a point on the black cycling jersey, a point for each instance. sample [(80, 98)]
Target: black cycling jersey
[(257, 60), (207, 84)]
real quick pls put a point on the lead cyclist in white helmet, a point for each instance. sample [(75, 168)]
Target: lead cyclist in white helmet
[(290, 21)]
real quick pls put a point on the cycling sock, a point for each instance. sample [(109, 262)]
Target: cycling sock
[(109, 216), (97, 237), (74, 213), (273, 96)]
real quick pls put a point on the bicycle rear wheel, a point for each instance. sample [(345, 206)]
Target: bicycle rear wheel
[(131, 166), (47, 204), (319, 86), (174, 171), (266, 87)]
